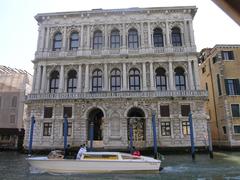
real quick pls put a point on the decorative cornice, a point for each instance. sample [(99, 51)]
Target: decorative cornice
[(128, 11)]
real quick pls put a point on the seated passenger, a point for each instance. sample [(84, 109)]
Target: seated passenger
[(135, 152)]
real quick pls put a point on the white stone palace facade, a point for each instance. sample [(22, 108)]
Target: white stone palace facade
[(112, 66)]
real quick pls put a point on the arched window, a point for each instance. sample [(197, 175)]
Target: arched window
[(54, 82), (115, 80), (74, 41), (57, 41), (97, 80), (115, 39), (132, 39), (158, 37), (161, 82), (134, 79), (72, 81), (180, 79), (176, 37), (97, 40)]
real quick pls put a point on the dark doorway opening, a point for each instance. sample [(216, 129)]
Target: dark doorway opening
[(95, 117)]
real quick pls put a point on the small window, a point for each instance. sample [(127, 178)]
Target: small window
[(203, 70), (235, 110), (165, 129), (67, 111), (214, 59), (186, 128), (237, 129), (12, 119), (224, 130), (232, 86), (48, 112), (69, 129), (164, 111), (14, 101), (227, 55), (47, 129), (219, 85), (206, 84), (185, 110)]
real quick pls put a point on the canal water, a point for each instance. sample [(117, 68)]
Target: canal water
[(225, 165)]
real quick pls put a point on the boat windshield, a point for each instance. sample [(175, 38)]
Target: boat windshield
[(100, 157)]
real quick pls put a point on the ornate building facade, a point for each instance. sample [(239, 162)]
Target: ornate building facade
[(115, 68)]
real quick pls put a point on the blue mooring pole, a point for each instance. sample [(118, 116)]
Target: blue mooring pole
[(191, 136), (91, 135), (154, 135), (131, 136), (65, 133), (31, 135)]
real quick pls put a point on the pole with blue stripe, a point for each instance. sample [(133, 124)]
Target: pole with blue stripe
[(65, 133), (131, 134), (154, 135), (191, 136), (31, 135)]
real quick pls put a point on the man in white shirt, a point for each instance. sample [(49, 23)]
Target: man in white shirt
[(80, 152)]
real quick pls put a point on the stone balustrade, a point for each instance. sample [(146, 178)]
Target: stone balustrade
[(120, 94), (106, 52)]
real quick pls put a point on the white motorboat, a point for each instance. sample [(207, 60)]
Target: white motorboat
[(96, 162)]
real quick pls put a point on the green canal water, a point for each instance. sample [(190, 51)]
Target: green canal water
[(225, 165)]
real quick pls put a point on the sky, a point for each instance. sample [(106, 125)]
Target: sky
[(19, 29)]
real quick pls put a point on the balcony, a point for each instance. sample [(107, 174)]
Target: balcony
[(114, 52), (121, 94)]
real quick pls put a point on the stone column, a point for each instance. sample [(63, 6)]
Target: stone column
[(64, 44), (47, 39), (81, 38), (151, 76), (190, 75), (44, 76), (105, 77), (41, 32), (61, 80), (105, 38), (86, 86), (186, 39), (142, 36), (167, 35), (79, 81), (144, 76), (191, 33), (196, 73), (149, 36), (38, 79), (34, 79), (171, 85), (124, 77), (88, 37), (124, 37)]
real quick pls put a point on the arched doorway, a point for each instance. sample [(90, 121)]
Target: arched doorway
[(95, 116), (136, 118)]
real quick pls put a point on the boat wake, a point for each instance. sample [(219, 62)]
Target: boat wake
[(34, 170), (177, 169)]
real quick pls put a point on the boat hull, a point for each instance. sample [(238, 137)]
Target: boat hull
[(80, 166)]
